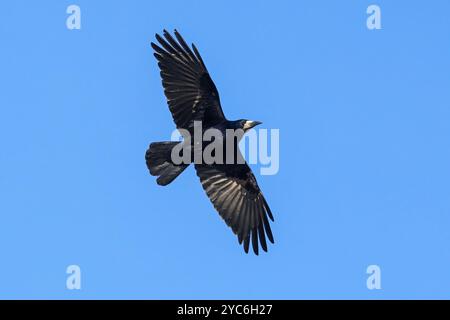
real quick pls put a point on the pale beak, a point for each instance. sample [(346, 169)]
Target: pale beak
[(250, 124)]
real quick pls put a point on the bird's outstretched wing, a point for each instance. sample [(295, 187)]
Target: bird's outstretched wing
[(190, 92), (235, 194)]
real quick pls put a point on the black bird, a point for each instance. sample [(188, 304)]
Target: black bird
[(192, 96)]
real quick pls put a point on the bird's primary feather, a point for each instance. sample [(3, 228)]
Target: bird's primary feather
[(190, 92), (235, 194)]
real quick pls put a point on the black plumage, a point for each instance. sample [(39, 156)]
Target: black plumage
[(192, 96)]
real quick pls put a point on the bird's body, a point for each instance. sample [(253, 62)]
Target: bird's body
[(195, 106)]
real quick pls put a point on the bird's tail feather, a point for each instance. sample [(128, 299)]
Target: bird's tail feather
[(158, 158)]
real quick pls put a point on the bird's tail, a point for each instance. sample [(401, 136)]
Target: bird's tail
[(159, 163)]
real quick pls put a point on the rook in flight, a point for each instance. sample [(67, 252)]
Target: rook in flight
[(193, 97)]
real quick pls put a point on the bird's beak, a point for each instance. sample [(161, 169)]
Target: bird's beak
[(250, 124)]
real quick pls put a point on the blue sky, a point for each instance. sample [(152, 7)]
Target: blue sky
[(364, 150)]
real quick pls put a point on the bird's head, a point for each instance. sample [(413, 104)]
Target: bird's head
[(246, 124)]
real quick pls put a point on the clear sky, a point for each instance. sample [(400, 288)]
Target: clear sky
[(364, 119)]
